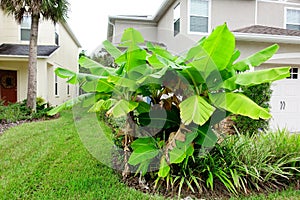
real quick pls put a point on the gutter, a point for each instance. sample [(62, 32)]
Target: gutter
[(149, 20), (254, 37), (153, 19), (22, 56)]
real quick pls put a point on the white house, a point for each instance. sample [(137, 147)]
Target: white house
[(57, 47), (257, 24)]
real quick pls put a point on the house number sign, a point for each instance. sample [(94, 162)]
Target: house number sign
[(282, 105)]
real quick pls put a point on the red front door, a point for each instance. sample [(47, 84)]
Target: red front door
[(8, 86)]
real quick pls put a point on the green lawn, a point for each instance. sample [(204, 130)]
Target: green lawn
[(47, 160)]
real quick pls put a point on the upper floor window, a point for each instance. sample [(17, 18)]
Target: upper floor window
[(176, 20), (293, 19), (199, 12), (25, 28), (56, 34)]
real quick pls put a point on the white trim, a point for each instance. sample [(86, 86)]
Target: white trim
[(280, 2), (267, 38), (177, 6), (209, 19), (256, 12), (285, 56), (135, 21)]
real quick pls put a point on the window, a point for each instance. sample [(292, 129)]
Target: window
[(56, 34), (293, 19), (68, 89), (25, 28), (56, 85), (294, 73), (199, 15), (176, 20)]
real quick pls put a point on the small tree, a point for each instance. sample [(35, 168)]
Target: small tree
[(54, 10), (185, 96)]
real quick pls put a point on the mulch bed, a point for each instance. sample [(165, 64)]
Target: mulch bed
[(4, 125), (219, 193)]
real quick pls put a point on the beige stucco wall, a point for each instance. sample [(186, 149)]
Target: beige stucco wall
[(238, 14), (235, 13), (148, 30), (66, 57), (247, 48), (10, 31)]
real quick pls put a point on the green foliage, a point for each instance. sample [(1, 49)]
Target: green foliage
[(261, 95), (47, 160), (19, 111), (259, 162), (187, 95)]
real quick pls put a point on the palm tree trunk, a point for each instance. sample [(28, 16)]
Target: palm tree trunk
[(32, 64)]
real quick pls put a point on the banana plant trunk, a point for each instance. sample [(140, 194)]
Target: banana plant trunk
[(32, 63), (129, 133)]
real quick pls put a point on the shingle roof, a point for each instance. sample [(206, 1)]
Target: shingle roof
[(259, 29), (23, 50)]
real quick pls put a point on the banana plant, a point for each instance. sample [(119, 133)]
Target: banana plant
[(186, 94)]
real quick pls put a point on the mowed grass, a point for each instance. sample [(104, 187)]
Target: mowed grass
[(47, 160)]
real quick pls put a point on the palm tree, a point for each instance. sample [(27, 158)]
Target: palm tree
[(54, 10)]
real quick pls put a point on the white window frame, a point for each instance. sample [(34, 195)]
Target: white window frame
[(178, 6), (25, 28), (209, 20), (56, 89), (285, 15)]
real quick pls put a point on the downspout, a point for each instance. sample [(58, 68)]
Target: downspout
[(110, 36), (256, 12)]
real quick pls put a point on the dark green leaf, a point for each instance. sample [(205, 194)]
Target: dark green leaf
[(142, 154)]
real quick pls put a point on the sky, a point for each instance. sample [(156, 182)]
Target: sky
[(88, 19)]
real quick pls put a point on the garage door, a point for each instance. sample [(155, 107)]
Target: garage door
[(285, 103)]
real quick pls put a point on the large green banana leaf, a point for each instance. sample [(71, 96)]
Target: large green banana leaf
[(256, 59), (237, 103), (195, 109)]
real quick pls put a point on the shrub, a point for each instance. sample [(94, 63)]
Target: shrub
[(261, 95), (18, 111), (246, 162)]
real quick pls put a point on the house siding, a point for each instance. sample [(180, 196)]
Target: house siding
[(148, 30), (238, 14), (66, 56)]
